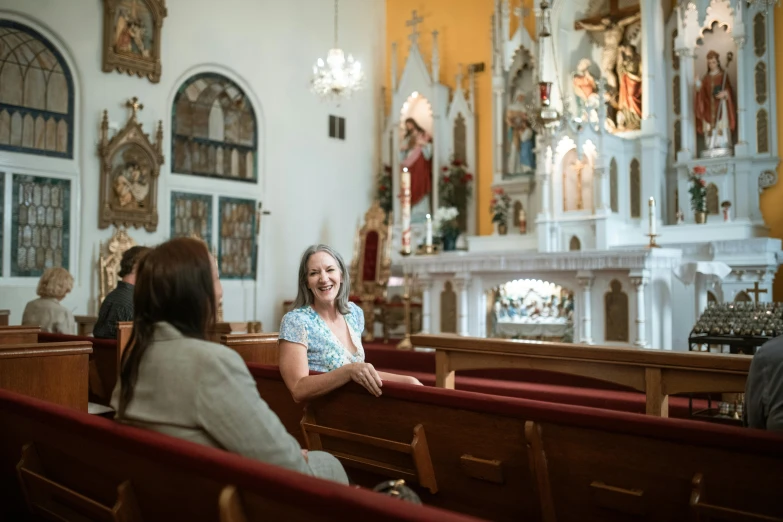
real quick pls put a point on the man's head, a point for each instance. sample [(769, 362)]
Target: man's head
[(130, 259)]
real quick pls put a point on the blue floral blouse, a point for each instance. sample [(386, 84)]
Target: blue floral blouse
[(324, 351)]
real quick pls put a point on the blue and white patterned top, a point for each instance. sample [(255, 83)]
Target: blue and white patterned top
[(324, 351)]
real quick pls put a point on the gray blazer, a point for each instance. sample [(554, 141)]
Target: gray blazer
[(50, 315), (203, 392)]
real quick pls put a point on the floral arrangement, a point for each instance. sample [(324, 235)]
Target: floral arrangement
[(456, 184), (384, 194), (698, 190), (499, 206), (444, 222)]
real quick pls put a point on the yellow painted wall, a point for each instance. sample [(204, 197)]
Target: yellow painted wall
[(772, 198), (464, 28)]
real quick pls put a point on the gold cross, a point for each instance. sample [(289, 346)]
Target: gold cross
[(134, 105), (756, 291)]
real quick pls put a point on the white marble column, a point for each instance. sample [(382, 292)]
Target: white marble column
[(586, 279), (546, 176), (426, 303), (741, 148), (482, 316), (461, 287), (687, 125), (639, 280), (701, 294)]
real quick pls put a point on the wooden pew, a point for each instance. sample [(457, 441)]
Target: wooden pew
[(19, 334), (4, 315), (81, 467), (54, 372), (657, 373), (486, 462), (259, 348)]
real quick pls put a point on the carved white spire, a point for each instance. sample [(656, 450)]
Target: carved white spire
[(413, 24), (472, 87), (394, 67), (505, 19), (435, 58)]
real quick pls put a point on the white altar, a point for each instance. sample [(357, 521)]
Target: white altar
[(586, 191)]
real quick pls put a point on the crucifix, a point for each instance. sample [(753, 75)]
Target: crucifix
[(612, 25), (413, 23), (756, 291), (134, 105)]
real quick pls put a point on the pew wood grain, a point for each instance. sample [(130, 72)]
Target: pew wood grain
[(657, 373), (4, 317), (19, 334)]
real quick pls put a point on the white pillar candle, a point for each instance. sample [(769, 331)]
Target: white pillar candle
[(652, 216), (405, 204), (428, 237)]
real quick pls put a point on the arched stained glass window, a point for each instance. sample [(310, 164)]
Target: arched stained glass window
[(36, 94), (215, 131)]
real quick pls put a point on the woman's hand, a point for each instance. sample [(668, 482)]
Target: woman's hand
[(365, 374)]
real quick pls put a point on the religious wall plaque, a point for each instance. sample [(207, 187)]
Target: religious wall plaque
[(130, 166), (132, 36)]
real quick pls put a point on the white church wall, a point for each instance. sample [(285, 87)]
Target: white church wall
[(316, 188)]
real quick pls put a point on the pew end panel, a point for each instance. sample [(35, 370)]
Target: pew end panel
[(19, 334), (589, 474), (53, 372)]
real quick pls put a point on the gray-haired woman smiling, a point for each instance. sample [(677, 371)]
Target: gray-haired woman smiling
[(323, 332)]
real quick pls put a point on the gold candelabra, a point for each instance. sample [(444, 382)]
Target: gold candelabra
[(653, 244)]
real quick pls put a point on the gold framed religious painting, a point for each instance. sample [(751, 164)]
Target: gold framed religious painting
[(130, 167), (132, 36)]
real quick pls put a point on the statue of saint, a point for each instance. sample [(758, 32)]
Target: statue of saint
[(629, 116), (716, 112), (416, 156), (131, 187), (585, 91), (522, 139)]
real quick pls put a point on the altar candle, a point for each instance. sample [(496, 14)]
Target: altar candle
[(652, 216), (405, 197), (428, 237)]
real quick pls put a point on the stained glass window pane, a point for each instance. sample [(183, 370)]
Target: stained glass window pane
[(191, 216), (40, 224), (237, 247), (36, 94), (215, 132)]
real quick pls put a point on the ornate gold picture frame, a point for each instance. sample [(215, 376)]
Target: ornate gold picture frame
[(130, 166), (131, 37)]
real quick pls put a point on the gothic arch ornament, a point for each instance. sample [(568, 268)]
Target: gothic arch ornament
[(130, 167), (132, 37)]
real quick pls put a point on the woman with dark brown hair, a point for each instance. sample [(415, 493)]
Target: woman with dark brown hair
[(175, 382)]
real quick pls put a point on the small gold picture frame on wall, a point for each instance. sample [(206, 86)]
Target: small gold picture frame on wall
[(131, 37), (130, 167)]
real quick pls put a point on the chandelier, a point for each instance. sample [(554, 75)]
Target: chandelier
[(338, 77)]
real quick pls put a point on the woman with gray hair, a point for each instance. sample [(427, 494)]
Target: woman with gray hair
[(46, 311), (323, 332)]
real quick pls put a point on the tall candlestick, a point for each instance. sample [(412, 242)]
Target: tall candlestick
[(405, 204), (428, 237), (652, 216)]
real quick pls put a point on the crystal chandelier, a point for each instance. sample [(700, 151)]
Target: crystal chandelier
[(338, 78)]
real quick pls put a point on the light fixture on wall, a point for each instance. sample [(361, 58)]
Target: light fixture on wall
[(337, 78)]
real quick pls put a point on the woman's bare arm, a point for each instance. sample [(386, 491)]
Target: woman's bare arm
[(296, 374)]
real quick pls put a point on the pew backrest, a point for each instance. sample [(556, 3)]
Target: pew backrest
[(54, 372), (160, 478), (259, 348), (487, 462), (19, 334), (4, 317)]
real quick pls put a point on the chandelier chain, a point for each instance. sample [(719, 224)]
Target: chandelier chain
[(336, 2)]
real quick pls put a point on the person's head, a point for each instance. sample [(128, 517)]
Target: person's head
[(177, 283), (129, 262), (713, 61), (55, 283), (323, 279)]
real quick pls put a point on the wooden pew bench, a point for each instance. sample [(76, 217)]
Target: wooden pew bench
[(480, 448), (19, 334), (54, 372), (74, 463)]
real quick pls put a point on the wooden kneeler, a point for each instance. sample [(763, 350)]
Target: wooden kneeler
[(422, 471), (54, 501)]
